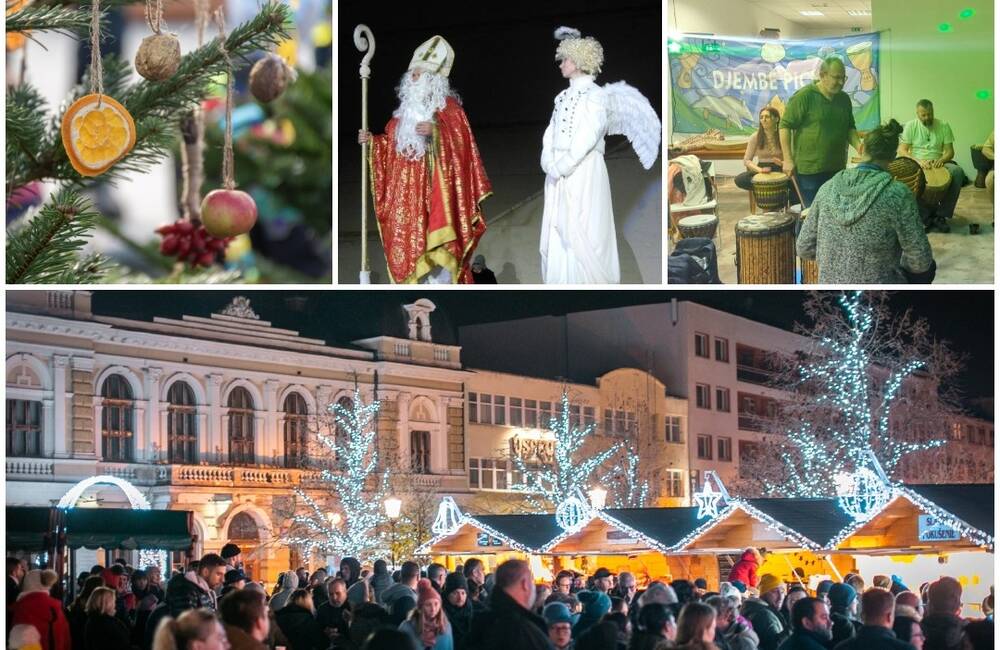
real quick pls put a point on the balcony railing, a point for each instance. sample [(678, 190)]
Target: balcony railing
[(754, 375), (750, 423)]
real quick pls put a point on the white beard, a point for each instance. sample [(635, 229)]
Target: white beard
[(418, 101)]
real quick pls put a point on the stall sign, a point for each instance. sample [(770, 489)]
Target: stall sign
[(932, 530), (484, 539), (620, 537)]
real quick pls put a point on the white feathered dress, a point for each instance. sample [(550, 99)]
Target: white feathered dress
[(578, 243)]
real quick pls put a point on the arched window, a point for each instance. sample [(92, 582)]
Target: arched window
[(296, 415), (241, 427), (243, 527), (117, 420), (182, 424)]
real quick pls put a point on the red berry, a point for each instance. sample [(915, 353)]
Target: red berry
[(206, 259), (184, 227), (169, 245)]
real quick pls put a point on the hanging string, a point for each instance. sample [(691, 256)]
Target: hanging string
[(154, 15), (96, 65), (228, 180), (193, 133)]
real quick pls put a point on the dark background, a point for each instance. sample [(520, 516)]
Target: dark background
[(505, 68), (964, 318)]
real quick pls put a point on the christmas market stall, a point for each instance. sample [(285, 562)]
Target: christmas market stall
[(921, 532)]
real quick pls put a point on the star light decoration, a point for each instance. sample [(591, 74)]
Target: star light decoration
[(568, 473), (357, 483), (707, 501), (842, 376)]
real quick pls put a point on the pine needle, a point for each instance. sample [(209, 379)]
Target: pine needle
[(45, 248)]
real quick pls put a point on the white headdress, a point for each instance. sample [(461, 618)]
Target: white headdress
[(434, 55), (585, 52)]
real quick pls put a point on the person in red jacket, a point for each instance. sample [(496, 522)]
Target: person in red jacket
[(37, 608), (746, 569)]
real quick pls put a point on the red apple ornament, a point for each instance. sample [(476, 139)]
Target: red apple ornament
[(228, 213)]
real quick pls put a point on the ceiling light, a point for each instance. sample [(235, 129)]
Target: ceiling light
[(811, 13), (854, 12)]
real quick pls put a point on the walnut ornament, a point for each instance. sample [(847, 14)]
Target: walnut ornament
[(269, 77), (158, 57)]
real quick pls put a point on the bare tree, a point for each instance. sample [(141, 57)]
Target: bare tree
[(870, 379)]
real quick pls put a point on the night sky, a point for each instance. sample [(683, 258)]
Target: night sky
[(964, 318)]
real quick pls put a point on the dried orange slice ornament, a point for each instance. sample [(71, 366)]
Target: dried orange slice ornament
[(97, 132)]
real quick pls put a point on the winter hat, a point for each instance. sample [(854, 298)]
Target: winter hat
[(701, 583), (426, 591), (229, 550), (729, 590), (841, 596), (455, 581), (823, 587), (944, 596), (602, 573), (595, 603), (768, 581), (740, 586), (556, 612), (233, 576)]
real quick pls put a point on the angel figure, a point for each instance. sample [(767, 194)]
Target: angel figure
[(578, 243)]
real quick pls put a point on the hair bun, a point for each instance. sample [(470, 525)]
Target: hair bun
[(894, 127)]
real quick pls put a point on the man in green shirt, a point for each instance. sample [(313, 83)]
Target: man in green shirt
[(821, 118), (930, 142)]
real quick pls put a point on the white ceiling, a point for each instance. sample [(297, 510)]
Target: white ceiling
[(834, 11)]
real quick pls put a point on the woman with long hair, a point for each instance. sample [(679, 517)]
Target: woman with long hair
[(864, 226), (427, 624), (195, 629), (103, 629), (77, 614), (764, 146), (696, 626)]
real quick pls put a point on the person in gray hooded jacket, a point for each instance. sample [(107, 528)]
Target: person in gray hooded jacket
[(864, 226)]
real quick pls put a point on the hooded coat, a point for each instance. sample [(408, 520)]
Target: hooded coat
[(289, 582), (745, 569), (864, 228), (381, 580), (189, 591), (34, 606), (459, 617), (301, 628), (766, 622)]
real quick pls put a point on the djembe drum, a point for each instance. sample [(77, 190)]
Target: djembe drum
[(909, 172), (770, 191), (809, 268), (765, 249), (938, 182), (699, 225)]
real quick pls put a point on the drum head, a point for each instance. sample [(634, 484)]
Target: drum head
[(939, 177), (697, 220), (770, 177), (761, 223)]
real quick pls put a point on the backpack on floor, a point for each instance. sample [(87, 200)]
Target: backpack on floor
[(693, 261)]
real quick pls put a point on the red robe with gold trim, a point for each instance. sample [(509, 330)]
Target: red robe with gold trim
[(428, 210)]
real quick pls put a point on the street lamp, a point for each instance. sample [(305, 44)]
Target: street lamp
[(392, 508), (598, 498), (335, 519)]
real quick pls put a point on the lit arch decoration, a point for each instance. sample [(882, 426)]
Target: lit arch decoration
[(135, 497)]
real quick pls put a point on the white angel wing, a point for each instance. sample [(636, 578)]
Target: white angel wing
[(630, 114)]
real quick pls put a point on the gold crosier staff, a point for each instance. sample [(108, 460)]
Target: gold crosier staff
[(364, 40)]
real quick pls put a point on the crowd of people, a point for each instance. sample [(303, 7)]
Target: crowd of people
[(214, 606)]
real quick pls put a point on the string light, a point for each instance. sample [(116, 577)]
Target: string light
[(357, 468), (839, 379), (569, 472), (449, 517), (707, 501), (573, 513), (862, 494)]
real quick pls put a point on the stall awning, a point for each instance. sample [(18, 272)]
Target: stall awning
[(818, 520), (495, 533), (29, 528), (972, 503), (532, 531), (666, 526), (128, 529)]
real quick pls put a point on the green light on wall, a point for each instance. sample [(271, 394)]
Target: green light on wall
[(944, 27), (674, 47), (965, 14), (982, 94)]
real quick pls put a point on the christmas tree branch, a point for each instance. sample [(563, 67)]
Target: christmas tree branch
[(45, 249), (156, 107), (35, 18)]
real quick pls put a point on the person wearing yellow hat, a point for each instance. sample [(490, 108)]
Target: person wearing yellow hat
[(763, 612), (428, 180)]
